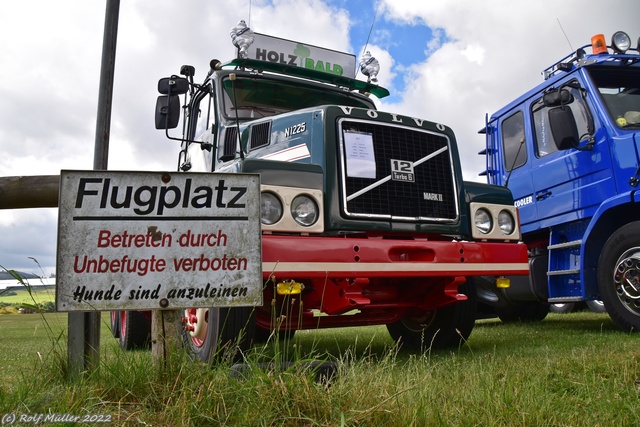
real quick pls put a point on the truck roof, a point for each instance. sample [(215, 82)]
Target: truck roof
[(310, 74), (567, 65)]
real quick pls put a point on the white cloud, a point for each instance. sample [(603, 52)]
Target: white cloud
[(474, 54), (29, 234), (493, 51)]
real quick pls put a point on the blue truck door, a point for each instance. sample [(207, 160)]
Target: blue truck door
[(568, 185), (515, 168)]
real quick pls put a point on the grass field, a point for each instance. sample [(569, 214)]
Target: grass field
[(39, 294), (569, 370)]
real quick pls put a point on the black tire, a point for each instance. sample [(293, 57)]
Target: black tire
[(597, 306), (567, 307), (217, 334), (619, 277), (115, 324), (524, 312), (447, 327), (135, 330)]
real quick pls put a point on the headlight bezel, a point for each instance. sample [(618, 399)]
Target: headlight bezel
[(501, 216), (287, 223)]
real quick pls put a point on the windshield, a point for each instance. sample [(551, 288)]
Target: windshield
[(620, 90), (258, 97)]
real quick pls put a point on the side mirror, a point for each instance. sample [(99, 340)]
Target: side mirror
[(563, 128), (556, 98), (175, 85), (167, 111)]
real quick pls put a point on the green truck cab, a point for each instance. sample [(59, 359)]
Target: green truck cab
[(366, 218)]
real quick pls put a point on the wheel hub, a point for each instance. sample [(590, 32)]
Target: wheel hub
[(626, 279), (196, 323), (417, 322)]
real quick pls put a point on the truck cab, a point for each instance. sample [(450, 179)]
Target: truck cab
[(366, 219), (568, 150)]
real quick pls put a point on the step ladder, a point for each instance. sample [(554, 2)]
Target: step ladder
[(563, 272)]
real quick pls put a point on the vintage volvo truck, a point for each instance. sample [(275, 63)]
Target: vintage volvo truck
[(366, 219)]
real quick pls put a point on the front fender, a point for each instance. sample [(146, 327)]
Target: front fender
[(612, 214), (487, 193)]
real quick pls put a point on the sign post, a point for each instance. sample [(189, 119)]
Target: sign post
[(83, 345), (158, 241)]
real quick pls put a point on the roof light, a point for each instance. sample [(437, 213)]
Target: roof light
[(598, 45), (620, 41)]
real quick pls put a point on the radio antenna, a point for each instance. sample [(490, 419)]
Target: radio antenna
[(565, 34), (375, 13)]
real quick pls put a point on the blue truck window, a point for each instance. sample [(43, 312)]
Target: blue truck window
[(544, 142), (515, 153), (620, 91)]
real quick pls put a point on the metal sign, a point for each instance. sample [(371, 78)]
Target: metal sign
[(156, 240), (274, 49)]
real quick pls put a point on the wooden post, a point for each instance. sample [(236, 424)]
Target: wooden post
[(166, 328)]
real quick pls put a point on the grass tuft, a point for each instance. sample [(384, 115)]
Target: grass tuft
[(572, 369)]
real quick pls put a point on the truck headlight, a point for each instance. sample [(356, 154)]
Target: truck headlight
[(620, 41), (304, 210), (483, 221), (506, 222), (270, 208)]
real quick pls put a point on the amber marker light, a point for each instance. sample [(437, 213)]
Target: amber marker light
[(598, 44), (503, 283), (289, 288)]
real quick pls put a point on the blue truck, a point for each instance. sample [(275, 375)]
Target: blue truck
[(569, 151)]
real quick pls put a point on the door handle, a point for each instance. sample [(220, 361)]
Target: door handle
[(544, 195)]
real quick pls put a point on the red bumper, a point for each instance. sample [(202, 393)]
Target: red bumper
[(340, 257)]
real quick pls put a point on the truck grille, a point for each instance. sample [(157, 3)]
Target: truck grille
[(396, 173)]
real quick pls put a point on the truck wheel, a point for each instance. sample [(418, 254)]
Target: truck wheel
[(524, 312), (619, 277), (115, 324), (566, 307), (212, 334), (135, 330), (446, 327), (596, 306)]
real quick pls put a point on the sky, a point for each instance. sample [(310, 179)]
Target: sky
[(448, 61)]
